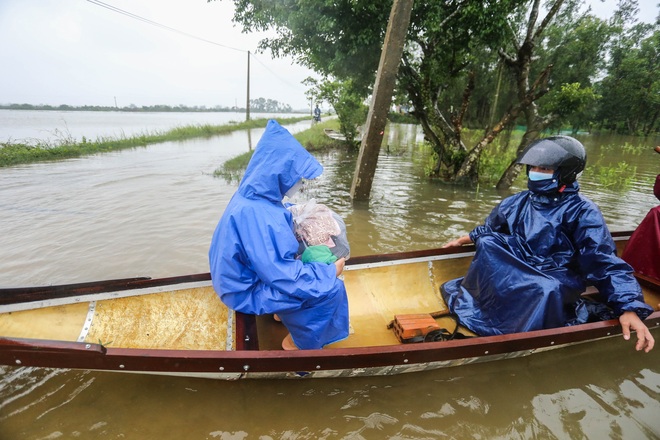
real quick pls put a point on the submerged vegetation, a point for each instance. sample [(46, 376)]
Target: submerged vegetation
[(67, 147), (618, 176), (313, 139), (492, 162)]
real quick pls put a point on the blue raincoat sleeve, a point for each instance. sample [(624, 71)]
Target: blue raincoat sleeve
[(599, 264), (268, 240)]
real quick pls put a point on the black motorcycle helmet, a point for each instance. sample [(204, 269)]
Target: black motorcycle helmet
[(561, 153)]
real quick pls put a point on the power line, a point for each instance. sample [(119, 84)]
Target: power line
[(171, 29), (162, 26), (273, 73)]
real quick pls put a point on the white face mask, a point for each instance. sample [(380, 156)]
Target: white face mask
[(294, 189), (535, 176)]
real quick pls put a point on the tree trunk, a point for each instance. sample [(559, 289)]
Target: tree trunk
[(513, 170), (521, 65), (382, 99), (470, 163)]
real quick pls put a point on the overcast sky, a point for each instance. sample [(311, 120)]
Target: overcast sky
[(78, 52)]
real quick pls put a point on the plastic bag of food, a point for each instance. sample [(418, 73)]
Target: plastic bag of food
[(316, 224)]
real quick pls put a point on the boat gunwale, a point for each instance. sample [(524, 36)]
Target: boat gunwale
[(16, 295), (25, 298), (78, 355)]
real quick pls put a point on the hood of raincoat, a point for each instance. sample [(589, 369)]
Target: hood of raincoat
[(278, 162)]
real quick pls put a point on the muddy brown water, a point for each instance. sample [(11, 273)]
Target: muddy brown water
[(151, 211)]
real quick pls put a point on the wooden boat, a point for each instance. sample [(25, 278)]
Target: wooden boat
[(334, 134), (178, 326)]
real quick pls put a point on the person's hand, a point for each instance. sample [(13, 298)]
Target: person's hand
[(453, 243), (458, 242), (339, 264), (631, 322)]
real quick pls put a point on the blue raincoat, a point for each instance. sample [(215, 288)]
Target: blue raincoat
[(535, 254), (253, 251)]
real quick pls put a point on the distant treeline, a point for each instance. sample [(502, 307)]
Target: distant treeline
[(256, 106)]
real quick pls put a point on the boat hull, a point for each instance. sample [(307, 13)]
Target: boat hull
[(275, 364), (177, 326)]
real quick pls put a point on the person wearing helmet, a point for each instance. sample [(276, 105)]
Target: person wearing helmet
[(253, 251), (538, 250)]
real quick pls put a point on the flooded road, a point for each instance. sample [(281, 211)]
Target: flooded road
[(151, 212)]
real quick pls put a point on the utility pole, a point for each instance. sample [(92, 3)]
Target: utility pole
[(247, 105), (390, 58)]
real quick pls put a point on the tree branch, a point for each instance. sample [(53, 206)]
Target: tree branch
[(533, 15), (548, 18)]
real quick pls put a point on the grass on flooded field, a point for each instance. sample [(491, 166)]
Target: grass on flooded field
[(313, 139), (67, 148)]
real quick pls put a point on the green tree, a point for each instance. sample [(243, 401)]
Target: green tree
[(631, 89), (347, 102), (342, 39), (466, 62), (576, 43)]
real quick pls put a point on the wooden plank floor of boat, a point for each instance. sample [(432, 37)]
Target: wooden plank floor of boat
[(181, 319), (196, 319)]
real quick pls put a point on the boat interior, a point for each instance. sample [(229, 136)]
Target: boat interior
[(193, 317)]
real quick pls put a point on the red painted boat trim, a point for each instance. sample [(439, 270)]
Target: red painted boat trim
[(28, 352)]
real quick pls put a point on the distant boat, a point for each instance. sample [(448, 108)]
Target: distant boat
[(179, 327), (333, 134)]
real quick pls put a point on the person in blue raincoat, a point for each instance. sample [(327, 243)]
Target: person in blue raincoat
[(252, 256), (537, 251)]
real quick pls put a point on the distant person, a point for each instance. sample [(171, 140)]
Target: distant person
[(317, 114), (253, 251), (643, 249), (537, 251)]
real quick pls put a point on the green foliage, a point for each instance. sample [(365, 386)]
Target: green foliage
[(401, 118), (570, 98), (569, 103), (67, 148), (269, 105), (313, 139), (635, 150), (233, 169), (347, 102), (619, 176), (627, 148), (431, 158), (631, 88), (449, 42), (493, 162)]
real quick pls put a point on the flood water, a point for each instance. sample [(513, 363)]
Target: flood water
[(151, 212)]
